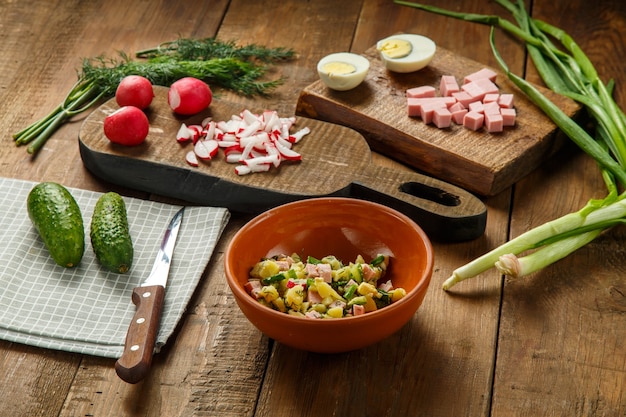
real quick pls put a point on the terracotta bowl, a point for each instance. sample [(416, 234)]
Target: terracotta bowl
[(343, 227)]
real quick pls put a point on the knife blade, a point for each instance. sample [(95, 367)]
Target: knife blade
[(134, 364)]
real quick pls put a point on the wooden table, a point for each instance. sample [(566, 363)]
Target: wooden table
[(551, 344)]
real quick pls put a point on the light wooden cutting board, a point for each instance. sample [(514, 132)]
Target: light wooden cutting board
[(480, 162)]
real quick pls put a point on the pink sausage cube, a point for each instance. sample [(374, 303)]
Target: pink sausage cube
[(442, 117), (420, 92), (473, 120), (463, 98), (428, 110), (506, 101), (487, 86), (458, 115), (448, 85), (456, 106), (508, 116), (475, 90), (476, 106), (483, 73), (415, 104), (491, 97), (494, 122), (492, 108)]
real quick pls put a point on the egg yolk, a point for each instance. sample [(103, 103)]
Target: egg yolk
[(395, 48), (338, 68)]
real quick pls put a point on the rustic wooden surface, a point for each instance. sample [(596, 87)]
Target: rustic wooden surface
[(481, 162), (335, 160), (551, 344)]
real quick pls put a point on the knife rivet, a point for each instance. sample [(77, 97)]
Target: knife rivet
[(147, 294), (140, 320), (134, 347)]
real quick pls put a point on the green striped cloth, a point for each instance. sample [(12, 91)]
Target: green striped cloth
[(87, 309)]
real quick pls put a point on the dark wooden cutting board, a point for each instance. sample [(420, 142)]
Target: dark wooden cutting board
[(336, 162), (481, 162)]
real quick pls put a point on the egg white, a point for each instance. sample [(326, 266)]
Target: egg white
[(422, 52), (343, 82)]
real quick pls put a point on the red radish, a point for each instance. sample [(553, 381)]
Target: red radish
[(205, 149), (191, 159), (127, 126), (189, 96), (134, 90)]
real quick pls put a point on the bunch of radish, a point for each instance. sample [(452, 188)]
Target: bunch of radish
[(129, 125), (254, 142)]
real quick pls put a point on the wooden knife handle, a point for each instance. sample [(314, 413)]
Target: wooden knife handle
[(134, 364)]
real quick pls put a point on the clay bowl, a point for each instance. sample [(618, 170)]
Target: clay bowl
[(343, 227)]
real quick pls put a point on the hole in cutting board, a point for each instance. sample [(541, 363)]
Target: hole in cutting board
[(436, 195)]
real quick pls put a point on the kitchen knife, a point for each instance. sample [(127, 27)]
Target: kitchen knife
[(136, 358)]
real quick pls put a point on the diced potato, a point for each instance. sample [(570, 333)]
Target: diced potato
[(370, 305), (325, 290), (265, 269), (397, 294), (294, 297), (335, 312), (280, 304), (269, 293), (367, 288)]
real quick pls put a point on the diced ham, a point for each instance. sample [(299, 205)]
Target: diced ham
[(283, 265), (473, 120), (493, 122), (474, 90), (491, 97), (428, 110), (448, 85), (506, 101), (458, 115), (311, 270), (483, 73), (508, 116), (456, 106), (313, 296), (421, 92), (386, 286), (312, 314), (442, 118), (476, 106), (415, 105), (358, 310), (491, 108), (324, 271), (253, 287), (463, 98), (368, 272)]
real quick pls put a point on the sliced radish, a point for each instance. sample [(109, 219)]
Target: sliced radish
[(205, 149), (256, 142), (191, 159)]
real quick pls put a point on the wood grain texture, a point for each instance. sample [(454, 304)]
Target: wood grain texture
[(549, 345)]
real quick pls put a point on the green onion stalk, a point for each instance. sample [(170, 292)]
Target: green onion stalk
[(219, 63), (566, 70)]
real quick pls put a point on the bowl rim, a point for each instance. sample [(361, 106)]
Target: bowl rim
[(417, 291)]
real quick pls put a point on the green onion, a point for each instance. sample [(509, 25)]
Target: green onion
[(569, 72)]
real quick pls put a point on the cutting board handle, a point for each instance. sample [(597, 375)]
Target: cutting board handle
[(445, 211)]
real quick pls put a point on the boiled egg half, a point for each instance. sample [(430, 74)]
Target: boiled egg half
[(343, 71), (406, 52)]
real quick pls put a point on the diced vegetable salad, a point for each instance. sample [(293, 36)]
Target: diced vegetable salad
[(322, 288)]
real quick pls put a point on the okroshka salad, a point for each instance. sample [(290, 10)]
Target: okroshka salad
[(322, 288)]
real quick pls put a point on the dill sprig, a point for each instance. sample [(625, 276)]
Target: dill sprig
[(218, 63), (186, 49)]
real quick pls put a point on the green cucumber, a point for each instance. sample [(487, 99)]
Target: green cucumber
[(58, 220), (110, 234)]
